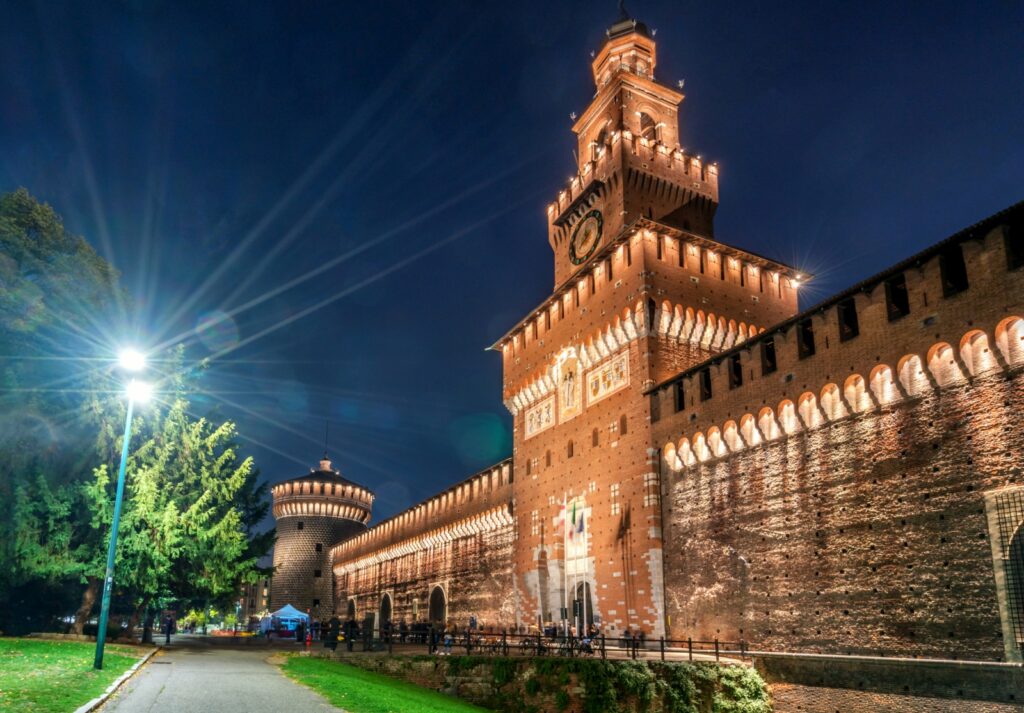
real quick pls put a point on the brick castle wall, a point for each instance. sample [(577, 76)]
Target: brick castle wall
[(836, 503), (457, 545), (865, 536)]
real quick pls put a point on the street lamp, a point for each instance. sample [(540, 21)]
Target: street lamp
[(137, 391)]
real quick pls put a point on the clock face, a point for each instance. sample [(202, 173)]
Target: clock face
[(586, 237)]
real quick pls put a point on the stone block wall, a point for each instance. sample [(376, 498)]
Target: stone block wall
[(297, 562)]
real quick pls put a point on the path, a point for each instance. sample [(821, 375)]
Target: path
[(201, 674)]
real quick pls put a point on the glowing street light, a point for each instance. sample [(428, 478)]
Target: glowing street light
[(131, 360), (137, 392)]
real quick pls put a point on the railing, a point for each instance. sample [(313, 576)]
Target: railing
[(531, 645)]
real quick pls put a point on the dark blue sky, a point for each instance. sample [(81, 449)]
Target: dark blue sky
[(218, 151)]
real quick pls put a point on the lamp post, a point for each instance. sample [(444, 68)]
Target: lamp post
[(139, 391)]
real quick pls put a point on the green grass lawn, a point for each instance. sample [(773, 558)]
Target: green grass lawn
[(38, 676), (360, 691)]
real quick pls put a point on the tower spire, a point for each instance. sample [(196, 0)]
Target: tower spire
[(325, 462)]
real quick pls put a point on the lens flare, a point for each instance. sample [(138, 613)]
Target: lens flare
[(217, 331)]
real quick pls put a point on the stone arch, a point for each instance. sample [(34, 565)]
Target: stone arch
[(672, 459), (768, 423), (437, 609), (883, 385), (856, 394), (832, 402), (976, 354), (788, 417), (808, 410), (1010, 339), (722, 333), (731, 436), (911, 374), (700, 448), (684, 452), (715, 444), (748, 429), (942, 364)]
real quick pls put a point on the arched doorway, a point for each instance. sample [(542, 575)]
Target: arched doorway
[(351, 613), (585, 616), (384, 621), (438, 606)]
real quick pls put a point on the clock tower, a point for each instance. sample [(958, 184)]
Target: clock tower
[(630, 163), (642, 291)]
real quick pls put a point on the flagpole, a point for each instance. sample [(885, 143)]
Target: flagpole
[(565, 567), (575, 571), (586, 568)]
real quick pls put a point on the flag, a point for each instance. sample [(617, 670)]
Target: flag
[(579, 528), (572, 527)]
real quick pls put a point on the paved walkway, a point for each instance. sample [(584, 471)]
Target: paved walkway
[(201, 674)]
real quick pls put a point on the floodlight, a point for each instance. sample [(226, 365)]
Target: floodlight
[(131, 360)]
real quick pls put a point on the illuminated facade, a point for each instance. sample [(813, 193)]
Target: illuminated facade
[(693, 456)]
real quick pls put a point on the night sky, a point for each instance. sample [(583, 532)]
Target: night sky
[(399, 156)]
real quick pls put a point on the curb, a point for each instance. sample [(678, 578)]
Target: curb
[(100, 700)]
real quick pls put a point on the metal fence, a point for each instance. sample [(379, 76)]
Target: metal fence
[(531, 645)]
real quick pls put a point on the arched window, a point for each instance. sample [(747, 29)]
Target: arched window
[(598, 145), (595, 438), (622, 425), (648, 128), (568, 450)]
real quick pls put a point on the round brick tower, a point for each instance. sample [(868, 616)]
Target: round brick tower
[(314, 512)]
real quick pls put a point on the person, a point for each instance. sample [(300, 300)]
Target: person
[(330, 631), (350, 633), (449, 639), (168, 625)]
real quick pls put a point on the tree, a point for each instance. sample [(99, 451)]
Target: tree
[(54, 289), (192, 503)]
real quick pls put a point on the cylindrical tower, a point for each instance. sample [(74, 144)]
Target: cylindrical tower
[(313, 512)]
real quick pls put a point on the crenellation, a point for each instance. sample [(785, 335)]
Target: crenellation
[(480, 492), (865, 358)]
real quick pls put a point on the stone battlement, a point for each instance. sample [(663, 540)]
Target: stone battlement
[(482, 492), (325, 496), (625, 148), (942, 317)]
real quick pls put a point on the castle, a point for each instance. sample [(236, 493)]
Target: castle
[(694, 456)]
